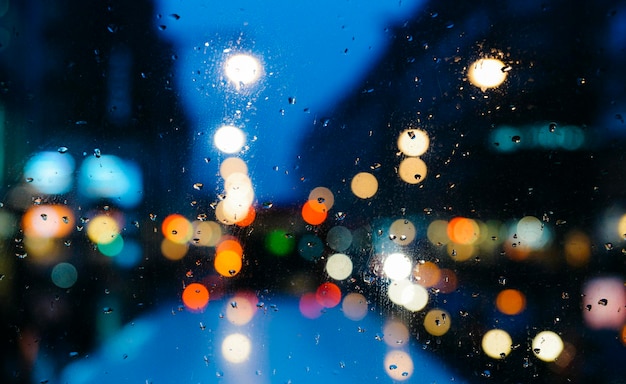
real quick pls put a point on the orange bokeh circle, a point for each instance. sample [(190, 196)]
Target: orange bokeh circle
[(195, 297)]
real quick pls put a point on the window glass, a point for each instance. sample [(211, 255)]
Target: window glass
[(341, 191)]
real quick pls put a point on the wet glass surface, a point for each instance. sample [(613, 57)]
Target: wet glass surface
[(407, 191)]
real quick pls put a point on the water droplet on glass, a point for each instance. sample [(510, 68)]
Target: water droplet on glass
[(152, 216), (29, 179), (393, 366), (516, 139), (44, 216), (198, 186), (291, 100), (552, 127), (268, 205), (603, 302), (97, 152), (608, 246), (107, 310), (62, 149), (502, 280)]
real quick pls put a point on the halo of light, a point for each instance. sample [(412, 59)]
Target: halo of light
[(462, 230), (412, 170), (416, 297), (279, 242), (177, 228), (236, 348), (354, 306), (314, 212), (239, 197), (50, 172), (44, 251), (486, 73), (603, 303), (233, 165), (324, 196), (310, 246), (364, 185), (510, 302), (426, 274), (195, 297), (113, 248), (460, 252), (248, 219), (48, 221), (228, 263), (339, 266), (530, 230), (413, 142), (547, 346), (577, 248), (339, 238), (242, 69), (328, 295), (400, 292), (240, 309), (402, 232), (496, 343), (395, 334), (173, 251), (222, 215), (309, 306), (206, 233), (437, 322), (113, 178), (64, 275), (102, 229), (448, 282), (397, 266), (399, 365), (229, 243), (437, 232), (229, 139)]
